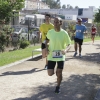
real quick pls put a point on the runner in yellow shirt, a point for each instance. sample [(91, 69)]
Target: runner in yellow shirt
[(58, 42), (44, 28)]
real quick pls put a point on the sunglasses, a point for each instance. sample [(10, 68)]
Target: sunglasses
[(79, 21)]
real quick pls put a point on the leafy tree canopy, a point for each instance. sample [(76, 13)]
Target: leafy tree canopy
[(64, 6), (53, 3), (97, 17), (76, 7), (8, 6)]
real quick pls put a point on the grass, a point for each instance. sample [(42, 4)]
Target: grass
[(88, 39), (13, 56)]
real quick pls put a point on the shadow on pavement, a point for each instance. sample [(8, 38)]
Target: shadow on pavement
[(98, 46), (71, 51), (92, 57), (69, 58), (35, 59), (75, 87), (86, 44), (21, 72)]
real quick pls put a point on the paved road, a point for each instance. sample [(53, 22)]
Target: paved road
[(28, 80)]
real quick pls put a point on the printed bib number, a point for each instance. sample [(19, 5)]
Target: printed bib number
[(93, 32), (57, 54), (78, 30)]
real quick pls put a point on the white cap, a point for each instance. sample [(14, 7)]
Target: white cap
[(79, 19)]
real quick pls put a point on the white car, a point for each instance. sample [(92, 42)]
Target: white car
[(35, 31), (21, 33)]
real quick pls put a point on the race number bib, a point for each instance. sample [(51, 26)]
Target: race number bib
[(78, 30), (93, 32), (57, 54)]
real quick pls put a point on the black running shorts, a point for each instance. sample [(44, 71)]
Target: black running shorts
[(79, 41), (93, 34), (51, 64), (43, 46)]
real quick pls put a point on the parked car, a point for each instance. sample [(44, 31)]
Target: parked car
[(36, 32), (21, 33)]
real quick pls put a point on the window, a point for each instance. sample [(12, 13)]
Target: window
[(80, 12), (24, 30)]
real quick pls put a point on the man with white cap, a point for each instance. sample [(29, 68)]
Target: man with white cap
[(80, 29)]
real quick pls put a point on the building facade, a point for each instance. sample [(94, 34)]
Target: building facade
[(85, 13), (35, 4)]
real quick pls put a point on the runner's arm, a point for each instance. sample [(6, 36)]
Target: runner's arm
[(67, 48)]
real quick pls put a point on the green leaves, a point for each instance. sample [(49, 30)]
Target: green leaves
[(97, 17), (53, 3), (64, 6), (7, 7)]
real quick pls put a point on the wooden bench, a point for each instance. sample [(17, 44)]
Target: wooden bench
[(36, 50)]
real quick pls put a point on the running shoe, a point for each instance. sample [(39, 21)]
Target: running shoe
[(46, 67), (80, 55), (75, 54), (57, 90)]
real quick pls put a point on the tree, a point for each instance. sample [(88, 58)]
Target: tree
[(97, 20), (68, 6), (7, 7), (53, 4), (76, 7), (6, 12), (97, 17), (63, 6), (71, 7)]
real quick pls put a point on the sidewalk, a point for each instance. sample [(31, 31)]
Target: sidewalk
[(28, 80)]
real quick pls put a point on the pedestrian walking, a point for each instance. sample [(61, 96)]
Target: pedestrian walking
[(58, 42)]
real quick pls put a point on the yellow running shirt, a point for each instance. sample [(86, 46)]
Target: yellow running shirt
[(58, 41), (44, 28)]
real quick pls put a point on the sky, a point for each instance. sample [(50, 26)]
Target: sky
[(81, 3)]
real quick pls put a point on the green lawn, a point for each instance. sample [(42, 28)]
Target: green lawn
[(12, 56), (9, 57), (89, 39)]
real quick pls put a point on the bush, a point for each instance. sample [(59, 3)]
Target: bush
[(2, 40), (24, 44), (5, 36)]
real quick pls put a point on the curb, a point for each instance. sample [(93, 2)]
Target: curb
[(23, 60), (18, 62)]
